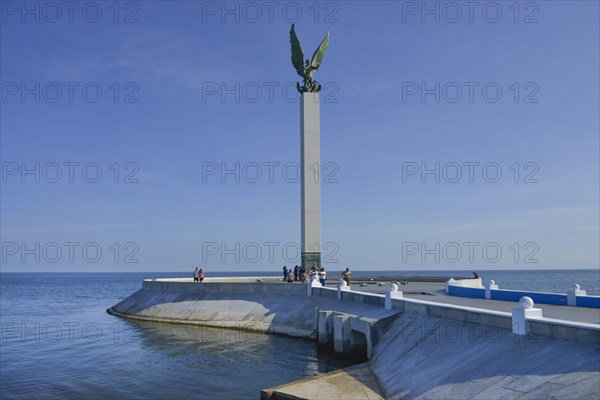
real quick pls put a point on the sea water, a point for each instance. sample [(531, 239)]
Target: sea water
[(57, 342)]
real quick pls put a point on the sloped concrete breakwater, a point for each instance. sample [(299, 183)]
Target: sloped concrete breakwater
[(269, 307), (427, 357), (427, 350)]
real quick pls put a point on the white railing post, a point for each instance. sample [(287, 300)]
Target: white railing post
[(573, 293), (491, 285), (342, 287), (393, 293)]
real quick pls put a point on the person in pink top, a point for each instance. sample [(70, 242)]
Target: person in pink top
[(201, 275)]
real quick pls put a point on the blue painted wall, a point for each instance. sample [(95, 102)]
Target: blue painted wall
[(460, 291), (588, 301), (543, 298), (515, 295)]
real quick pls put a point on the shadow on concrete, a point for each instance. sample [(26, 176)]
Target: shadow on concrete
[(427, 357), (289, 314)]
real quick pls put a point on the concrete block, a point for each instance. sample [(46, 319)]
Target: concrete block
[(341, 333), (364, 326), (325, 327)]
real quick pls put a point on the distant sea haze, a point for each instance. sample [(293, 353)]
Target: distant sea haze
[(551, 280)]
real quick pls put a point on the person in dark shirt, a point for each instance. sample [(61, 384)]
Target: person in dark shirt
[(475, 276), (285, 272), (346, 276), (296, 273)]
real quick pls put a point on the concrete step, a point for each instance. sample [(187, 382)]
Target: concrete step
[(353, 383)]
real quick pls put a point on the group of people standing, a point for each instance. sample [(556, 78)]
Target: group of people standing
[(296, 274), (299, 274), (198, 275)]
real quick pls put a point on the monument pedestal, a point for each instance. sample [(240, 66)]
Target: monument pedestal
[(311, 259), (310, 157)]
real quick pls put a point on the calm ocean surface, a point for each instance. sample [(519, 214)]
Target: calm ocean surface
[(57, 341)]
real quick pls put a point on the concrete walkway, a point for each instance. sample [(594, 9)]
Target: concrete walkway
[(577, 314), (435, 291)]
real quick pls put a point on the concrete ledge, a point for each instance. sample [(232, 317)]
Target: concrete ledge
[(220, 279), (325, 292), (364, 298), (582, 332), (562, 329), (354, 383), (224, 287)]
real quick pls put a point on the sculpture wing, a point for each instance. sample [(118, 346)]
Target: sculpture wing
[(297, 54), (319, 53)]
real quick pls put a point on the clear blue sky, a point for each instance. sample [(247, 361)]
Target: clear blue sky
[(159, 118)]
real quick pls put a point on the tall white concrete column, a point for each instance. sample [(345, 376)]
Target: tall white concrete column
[(310, 139)]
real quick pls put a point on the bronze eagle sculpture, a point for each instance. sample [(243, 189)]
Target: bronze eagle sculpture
[(307, 68)]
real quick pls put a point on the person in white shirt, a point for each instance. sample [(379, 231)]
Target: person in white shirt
[(322, 276)]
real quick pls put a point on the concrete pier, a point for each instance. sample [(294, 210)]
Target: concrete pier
[(269, 307), (418, 349)]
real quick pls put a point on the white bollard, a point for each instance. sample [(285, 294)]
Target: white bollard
[(491, 285), (521, 314), (573, 293), (393, 293), (342, 287)]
